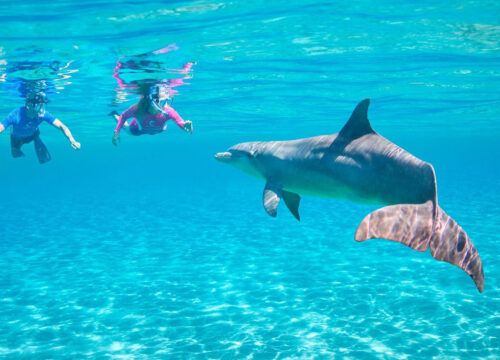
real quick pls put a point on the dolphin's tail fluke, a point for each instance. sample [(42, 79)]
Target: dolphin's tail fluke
[(416, 226), (451, 243)]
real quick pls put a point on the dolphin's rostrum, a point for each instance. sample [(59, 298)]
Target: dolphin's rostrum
[(360, 165)]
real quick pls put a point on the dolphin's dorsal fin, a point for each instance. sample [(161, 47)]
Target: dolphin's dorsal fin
[(358, 124)]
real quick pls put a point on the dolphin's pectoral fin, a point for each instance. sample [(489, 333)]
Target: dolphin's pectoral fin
[(450, 243), (292, 202), (271, 198), (409, 224), (414, 226)]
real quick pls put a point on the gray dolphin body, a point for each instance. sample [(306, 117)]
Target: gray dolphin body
[(358, 164)]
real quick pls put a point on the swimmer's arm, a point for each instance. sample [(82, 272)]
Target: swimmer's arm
[(58, 124), (121, 121), (184, 125), (130, 112), (9, 120)]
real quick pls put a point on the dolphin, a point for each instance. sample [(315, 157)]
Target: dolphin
[(359, 165)]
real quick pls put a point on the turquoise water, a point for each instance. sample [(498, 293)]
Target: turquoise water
[(153, 250)]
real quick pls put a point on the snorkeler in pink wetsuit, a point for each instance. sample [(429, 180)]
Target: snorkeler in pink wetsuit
[(149, 116)]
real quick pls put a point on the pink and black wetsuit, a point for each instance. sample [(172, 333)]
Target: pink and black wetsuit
[(149, 124)]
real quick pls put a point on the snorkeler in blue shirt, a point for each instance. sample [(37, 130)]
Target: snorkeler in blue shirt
[(25, 121)]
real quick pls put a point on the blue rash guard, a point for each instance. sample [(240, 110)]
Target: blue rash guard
[(22, 125)]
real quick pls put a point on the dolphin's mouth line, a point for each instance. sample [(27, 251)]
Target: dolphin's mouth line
[(223, 155)]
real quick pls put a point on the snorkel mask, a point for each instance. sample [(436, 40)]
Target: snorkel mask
[(37, 102), (159, 98)]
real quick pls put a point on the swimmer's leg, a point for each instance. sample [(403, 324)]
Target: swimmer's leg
[(41, 150), (15, 146), (116, 116)]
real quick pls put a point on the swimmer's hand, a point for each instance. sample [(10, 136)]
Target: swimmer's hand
[(115, 139), (75, 145), (188, 126)]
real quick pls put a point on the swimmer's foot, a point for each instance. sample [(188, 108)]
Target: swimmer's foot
[(115, 115), (17, 152)]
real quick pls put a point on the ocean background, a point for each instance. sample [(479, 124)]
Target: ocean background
[(153, 250)]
